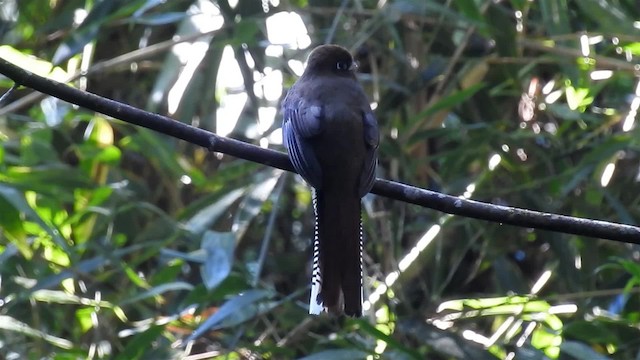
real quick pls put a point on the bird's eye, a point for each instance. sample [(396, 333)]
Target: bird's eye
[(342, 65)]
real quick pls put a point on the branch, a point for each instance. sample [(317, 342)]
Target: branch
[(407, 193), (601, 61)]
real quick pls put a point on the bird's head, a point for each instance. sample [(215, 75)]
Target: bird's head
[(331, 59)]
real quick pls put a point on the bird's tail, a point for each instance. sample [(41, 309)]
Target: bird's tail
[(336, 283)]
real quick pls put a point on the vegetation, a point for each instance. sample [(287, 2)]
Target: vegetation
[(117, 242)]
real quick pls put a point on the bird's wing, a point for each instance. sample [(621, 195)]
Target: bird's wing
[(371, 140), (301, 123)]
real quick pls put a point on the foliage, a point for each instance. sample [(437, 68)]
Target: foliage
[(117, 242)]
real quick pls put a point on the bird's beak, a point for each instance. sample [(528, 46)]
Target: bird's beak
[(353, 67)]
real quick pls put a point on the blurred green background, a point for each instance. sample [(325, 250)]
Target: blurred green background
[(119, 243)]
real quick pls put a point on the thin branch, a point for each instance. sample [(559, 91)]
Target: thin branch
[(601, 61), (411, 194), (336, 19), (457, 54)]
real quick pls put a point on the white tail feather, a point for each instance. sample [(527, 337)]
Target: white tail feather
[(315, 306)]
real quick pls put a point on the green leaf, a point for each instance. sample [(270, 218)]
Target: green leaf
[(470, 10), (83, 267), (609, 15), (158, 290), (17, 200), (343, 354), (141, 343), (555, 16), (88, 30), (446, 103), (33, 64), (577, 98), (589, 331), (61, 297), (10, 324), (241, 306), (581, 351), (389, 340), (547, 341)]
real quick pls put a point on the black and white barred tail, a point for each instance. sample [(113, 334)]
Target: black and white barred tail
[(315, 302), (337, 276)]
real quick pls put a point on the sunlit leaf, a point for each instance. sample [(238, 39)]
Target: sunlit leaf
[(17, 200), (32, 63), (10, 324)]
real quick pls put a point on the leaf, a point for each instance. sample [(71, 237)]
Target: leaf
[(75, 43), (236, 306), (88, 30), (11, 224), (208, 215), (252, 203), (555, 16), (527, 353), (547, 341), (245, 32), (415, 7), (49, 179), (158, 149), (17, 200), (158, 19), (618, 205), (86, 266), (158, 290), (450, 101), (470, 10), (416, 122), (54, 111), (443, 342), (10, 324), (589, 331), (577, 98), (148, 5), (343, 354), (633, 48), (611, 17), (219, 248), (580, 350), (9, 251), (389, 340), (61, 297), (140, 343), (632, 267), (33, 64)]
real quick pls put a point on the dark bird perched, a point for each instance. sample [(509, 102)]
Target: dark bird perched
[(332, 139)]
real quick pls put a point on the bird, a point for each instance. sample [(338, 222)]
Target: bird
[(332, 138)]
